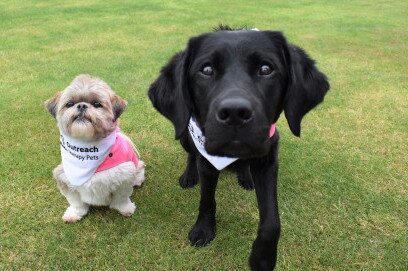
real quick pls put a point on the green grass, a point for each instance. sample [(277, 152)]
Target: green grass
[(343, 190)]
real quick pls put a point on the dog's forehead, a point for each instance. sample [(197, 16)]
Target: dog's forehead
[(246, 40), (85, 90)]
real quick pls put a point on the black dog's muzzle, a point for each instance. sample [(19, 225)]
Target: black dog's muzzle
[(234, 111)]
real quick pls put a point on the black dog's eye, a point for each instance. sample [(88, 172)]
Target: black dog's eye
[(207, 70), (265, 70), (96, 104), (69, 104)]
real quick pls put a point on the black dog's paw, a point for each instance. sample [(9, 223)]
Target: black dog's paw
[(245, 181), (188, 179), (263, 256), (201, 234)]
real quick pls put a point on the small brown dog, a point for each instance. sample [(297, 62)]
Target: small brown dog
[(100, 165)]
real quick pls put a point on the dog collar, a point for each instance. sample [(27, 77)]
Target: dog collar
[(219, 162), (80, 159)]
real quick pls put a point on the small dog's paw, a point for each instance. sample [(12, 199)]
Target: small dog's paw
[(71, 219), (201, 235), (73, 215), (126, 209), (188, 179)]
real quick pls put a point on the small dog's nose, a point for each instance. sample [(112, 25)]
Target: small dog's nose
[(234, 111), (82, 107)]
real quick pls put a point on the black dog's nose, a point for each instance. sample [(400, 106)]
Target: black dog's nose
[(82, 107), (234, 111)]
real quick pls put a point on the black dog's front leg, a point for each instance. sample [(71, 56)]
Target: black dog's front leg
[(203, 230), (245, 177), (264, 249), (190, 176)]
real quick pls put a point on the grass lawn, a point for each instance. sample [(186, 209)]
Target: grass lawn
[(343, 189)]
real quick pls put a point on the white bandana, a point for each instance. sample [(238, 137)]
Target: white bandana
[(80, 159), (218, 162)]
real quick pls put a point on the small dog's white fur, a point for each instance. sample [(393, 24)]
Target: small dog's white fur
[(112, 187)]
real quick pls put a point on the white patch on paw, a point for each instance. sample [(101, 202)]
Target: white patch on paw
[(73, 215), (127, 209)]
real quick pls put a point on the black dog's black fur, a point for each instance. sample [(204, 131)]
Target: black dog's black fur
[(235, 83)]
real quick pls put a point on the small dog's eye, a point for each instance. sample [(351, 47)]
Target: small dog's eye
[(69, 104), (265, 70), (207, 70), (97, 104)]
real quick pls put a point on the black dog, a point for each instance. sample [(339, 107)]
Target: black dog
[(235, 84)]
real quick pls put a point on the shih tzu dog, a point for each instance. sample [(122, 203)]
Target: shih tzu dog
[(100, 165)]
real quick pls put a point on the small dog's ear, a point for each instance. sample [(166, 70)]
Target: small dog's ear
[(307, 88), (118, 106), (51, 104), (169, 93)]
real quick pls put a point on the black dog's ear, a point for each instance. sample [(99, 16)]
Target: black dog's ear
[(169, 96), (170, 92), (307, 88)]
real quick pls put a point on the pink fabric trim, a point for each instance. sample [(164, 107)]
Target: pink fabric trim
[(272, 130), (120, 152)]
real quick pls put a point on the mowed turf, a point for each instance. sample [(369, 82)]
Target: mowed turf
[(343, 190)]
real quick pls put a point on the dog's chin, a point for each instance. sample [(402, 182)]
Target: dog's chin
[(237, 148), (82, 128)]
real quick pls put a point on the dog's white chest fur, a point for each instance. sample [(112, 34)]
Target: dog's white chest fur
[(98, 190)]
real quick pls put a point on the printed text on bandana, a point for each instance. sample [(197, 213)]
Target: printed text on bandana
[(80, 159), (77, 151)]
